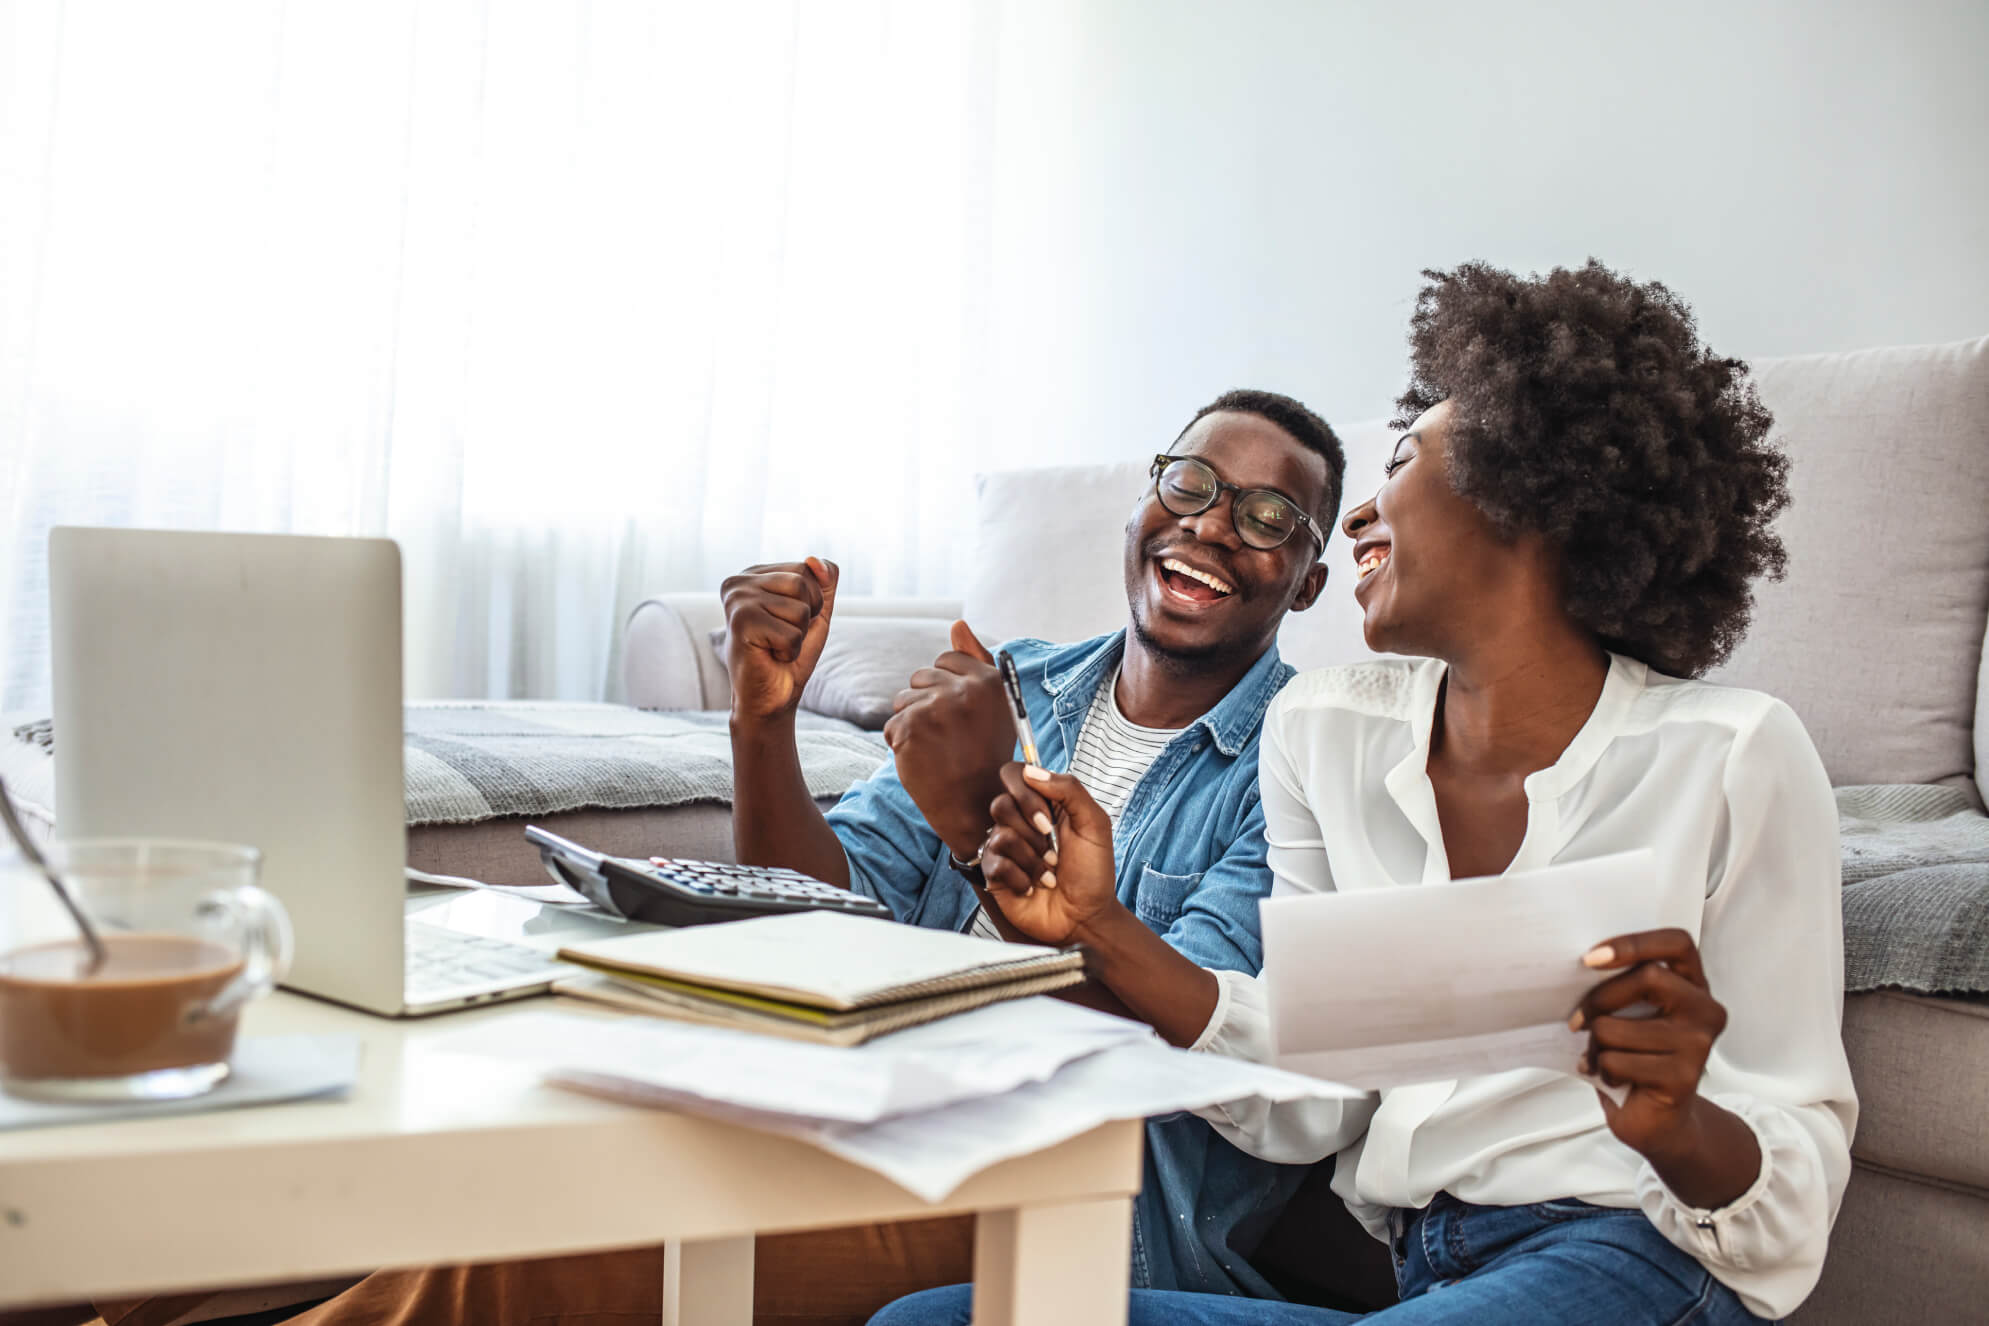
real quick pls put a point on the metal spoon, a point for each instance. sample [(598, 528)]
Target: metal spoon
[(22, 841)]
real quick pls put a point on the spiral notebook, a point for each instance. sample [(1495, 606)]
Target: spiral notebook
[(818, 975)]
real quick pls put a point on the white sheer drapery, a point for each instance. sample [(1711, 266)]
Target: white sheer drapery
[(578, 301)]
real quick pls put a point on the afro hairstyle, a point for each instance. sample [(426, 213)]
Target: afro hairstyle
[(1584, 409)]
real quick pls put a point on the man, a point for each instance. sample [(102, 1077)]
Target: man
[(1160, 720)]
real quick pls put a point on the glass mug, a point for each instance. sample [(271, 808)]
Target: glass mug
[(189, 941)]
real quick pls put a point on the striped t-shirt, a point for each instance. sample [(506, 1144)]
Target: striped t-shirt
[(1113, 753)]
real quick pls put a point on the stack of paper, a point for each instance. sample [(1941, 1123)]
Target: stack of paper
[(815, 976), (928, 1108)]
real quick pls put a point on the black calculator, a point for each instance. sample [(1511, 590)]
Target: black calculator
[(671, 892)]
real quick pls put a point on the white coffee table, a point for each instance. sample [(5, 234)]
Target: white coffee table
[(439, 1158)]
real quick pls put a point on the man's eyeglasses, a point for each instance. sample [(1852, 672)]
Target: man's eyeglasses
[(1263, 517)]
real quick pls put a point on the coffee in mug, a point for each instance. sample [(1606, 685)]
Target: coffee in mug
[(188, 940)]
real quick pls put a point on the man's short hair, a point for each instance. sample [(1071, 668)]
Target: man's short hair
[(1305, 428)]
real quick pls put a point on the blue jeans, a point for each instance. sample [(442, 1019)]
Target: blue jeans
[(1458, 1263)]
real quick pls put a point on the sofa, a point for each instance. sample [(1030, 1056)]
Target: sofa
[(1876, 637)]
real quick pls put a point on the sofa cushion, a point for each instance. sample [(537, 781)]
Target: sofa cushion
[(1876, 636), (1901, 1251), (496, 852), (866, 662), (1050, 546), (1922, 1069)]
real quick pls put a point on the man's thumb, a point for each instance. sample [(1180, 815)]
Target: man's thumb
[(827, 574), (966, 642)]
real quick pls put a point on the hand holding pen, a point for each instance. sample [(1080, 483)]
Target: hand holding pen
[(1051, 884), (1025, 734), (1054, 895)]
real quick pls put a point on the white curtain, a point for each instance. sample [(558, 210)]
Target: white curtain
[(579, 301)]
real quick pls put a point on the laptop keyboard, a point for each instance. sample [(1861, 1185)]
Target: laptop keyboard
[(443, 959)]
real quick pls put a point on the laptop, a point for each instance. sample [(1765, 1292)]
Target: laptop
[(247, 688)]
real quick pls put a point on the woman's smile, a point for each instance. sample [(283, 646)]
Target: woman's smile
[(1370, 559)]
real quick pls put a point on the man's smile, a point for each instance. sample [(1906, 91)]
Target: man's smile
[(1189, 585)]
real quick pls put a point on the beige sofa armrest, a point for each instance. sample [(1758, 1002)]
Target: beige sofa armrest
[(668, 661)]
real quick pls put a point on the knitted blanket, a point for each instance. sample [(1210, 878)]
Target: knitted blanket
[(1916, 889), (468, 761)]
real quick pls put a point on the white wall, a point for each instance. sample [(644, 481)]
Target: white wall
[(1194, 196)]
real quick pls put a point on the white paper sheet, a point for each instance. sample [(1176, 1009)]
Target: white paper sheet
[(932, 1152), (985, 1052), (548, 894), (1387, 986)]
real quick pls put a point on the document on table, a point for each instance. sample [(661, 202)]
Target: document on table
[(928, 1107), (1382, 987), (982, 1053), (931, 1153)]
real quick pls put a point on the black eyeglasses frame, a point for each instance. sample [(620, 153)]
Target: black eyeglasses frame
[(1222, 485)]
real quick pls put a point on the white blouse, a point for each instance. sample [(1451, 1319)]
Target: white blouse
[(1726, 787)]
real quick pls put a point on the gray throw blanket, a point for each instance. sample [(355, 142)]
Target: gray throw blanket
[(1916, 889), (468, 761)]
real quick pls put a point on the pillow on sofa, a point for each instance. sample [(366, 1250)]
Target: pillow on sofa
[(866, 662), (1049, 551), (1049, 558), (1876, 636)]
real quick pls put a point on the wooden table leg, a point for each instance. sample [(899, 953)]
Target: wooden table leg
[(708, 1283), (1063, 1265)]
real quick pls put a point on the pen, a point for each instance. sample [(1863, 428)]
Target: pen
[(1024, 733), (1012, 683)]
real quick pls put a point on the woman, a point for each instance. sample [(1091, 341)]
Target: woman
[(1567, 531)]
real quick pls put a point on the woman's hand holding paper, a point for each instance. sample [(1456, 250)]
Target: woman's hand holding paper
[(1704, 1154)]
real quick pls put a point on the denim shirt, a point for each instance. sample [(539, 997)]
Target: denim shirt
[(1189, 851)]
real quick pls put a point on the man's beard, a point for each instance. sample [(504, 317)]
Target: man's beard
[(1184, 662)]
